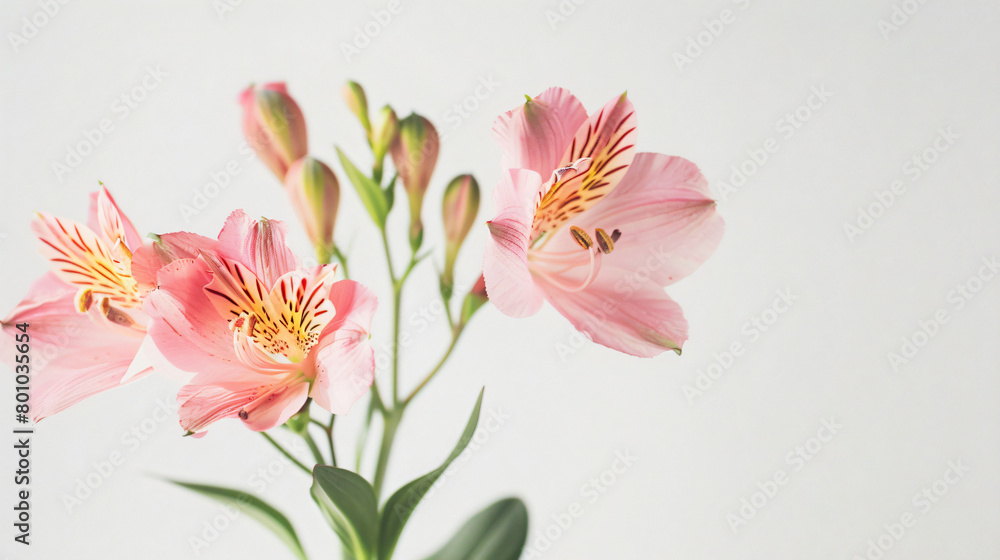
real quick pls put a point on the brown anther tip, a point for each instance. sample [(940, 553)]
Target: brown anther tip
[(581, 237), (616, 234), (243, 414), (604, 241), (85, 300)]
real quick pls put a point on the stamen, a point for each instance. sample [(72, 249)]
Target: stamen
[(604, 241), (615, 235), (243, 414), (595, 267), (84, 300), (115, 315), (581, 237)]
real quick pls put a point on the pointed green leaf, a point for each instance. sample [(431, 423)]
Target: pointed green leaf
[(349, 504), (400, 505), (495, 533), (390, 193), (369, 191), (256, 508)]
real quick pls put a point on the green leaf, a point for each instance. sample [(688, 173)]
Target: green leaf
[(400, 505), (369, 191), (255, 508), (348, 502), (496, 533), (390, 193)]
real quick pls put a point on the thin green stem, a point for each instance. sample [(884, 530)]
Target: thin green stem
[(388, 436), (286, 453), (313, 447), (342, 260), (328, 430), (454, 340)]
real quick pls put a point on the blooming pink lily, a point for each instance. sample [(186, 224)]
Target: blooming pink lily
[(86, 323), (260, 334), (595, 228)]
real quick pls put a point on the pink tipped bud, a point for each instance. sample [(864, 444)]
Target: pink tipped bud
[(357, 102), (414, 153), (458, 211), (315, 194), (274, 126), (384, 131), (475, 299)]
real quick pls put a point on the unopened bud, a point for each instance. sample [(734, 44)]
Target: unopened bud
[(354, 96), (315, 194), (274, 126), (458, 211), (414, 153)]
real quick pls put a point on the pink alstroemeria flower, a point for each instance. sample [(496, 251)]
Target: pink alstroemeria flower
[(595, 228), (260, 334), (86, 323)]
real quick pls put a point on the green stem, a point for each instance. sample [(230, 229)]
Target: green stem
[(388, 436), (342, 259), (313, 447), (286, 453), (454, 340), (328, 430)]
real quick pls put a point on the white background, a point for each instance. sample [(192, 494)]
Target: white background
[(568, 413)]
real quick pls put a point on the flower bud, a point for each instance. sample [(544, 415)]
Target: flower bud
[(274, 126), (458, 211), (475, 299), (354, 96), (414, 153), (384, 131), (315, 194)]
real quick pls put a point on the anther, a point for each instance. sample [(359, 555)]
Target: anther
[(84, 300), (604, 241), (581, 237), (243, 414)]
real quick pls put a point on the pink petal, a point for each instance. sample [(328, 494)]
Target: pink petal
[(344, 358), (258, 244), (186, 329), (107, 219), (264, 406), (71, 356), (535, 135), (509, 283), (667, 218), (641, 321), (80, 257), (606, 142), (168, 247)]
